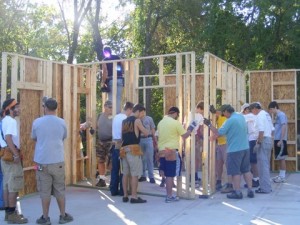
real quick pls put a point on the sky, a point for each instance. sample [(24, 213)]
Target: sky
[(107, 6)]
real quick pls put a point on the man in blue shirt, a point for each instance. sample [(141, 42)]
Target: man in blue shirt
[(238, 155), (280, 139)]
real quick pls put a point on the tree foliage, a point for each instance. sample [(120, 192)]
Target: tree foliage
[(250, 34)]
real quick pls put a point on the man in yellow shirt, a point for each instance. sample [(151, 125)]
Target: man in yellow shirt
[(221, 155), (169, 132)]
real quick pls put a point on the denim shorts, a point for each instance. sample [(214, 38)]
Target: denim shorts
[(238, 162), (253, 157), (171, 168)]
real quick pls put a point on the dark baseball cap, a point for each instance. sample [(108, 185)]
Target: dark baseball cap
[(173, 109)]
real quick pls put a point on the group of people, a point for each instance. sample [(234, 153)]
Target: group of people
[(50, 168), (130, 144), (250, 137)]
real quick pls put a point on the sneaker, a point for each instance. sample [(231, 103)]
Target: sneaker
[(15, 218), (101, 183), (137, 200), (227, 189), (163, 182), (250, 194), (255, 183), (279, 179), (234, 195), (174, 185), (141, 179), (172, 199), (152, 180), (44, 221), (65, 219), (260, 191)]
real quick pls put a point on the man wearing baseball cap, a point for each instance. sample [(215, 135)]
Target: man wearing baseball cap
[(238, 162), (169, 132), (13, 176)]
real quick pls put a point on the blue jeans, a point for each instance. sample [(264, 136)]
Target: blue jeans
[(1, 187), (263, 164), (115, 186), (148, 152), (120, 86)]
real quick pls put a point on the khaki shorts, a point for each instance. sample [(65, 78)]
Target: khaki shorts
[(13, 176), (221, 152), (132, 165), (51, 180)]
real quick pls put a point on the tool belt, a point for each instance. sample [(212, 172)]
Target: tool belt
[(6, 154), (133, 149), (168, 154), (117, 143)]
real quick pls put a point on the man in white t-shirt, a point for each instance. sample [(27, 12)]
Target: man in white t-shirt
[(13, 176), (116, 178), (252, 137), (264, 126), (198, 139)]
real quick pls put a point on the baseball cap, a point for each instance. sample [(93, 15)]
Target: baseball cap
[(255, 105), (108, 103), (225, 107), (246, 105), (173, 109), (9, 103)]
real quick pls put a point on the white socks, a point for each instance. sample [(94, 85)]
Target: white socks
[(282, 173)]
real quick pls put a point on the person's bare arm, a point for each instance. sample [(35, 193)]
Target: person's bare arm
[(186, 134), (139, 127), (12, 147), (283, 132)]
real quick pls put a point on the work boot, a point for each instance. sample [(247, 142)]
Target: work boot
[(163, 182), (101, 183), (15, 218), (141, 179), (227, 189), (219, 185)]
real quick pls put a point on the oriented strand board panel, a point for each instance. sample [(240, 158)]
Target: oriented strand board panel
[(284, 92), (32, 70), (283, 76), (260, 88), (28, 114), (290, 165)]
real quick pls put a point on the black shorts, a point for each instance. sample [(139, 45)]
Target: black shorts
[(253, 157), (280, 152)]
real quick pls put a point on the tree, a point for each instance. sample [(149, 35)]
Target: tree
[(80, 10)]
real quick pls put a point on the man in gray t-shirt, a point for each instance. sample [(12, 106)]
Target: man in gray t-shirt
[(146, 143), (49, 132), (104, 141)]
